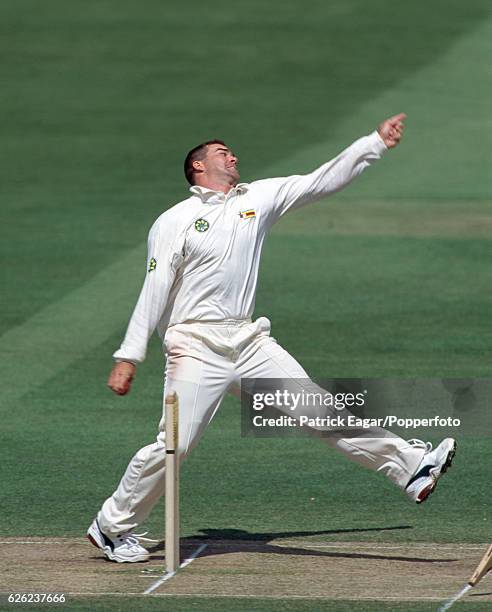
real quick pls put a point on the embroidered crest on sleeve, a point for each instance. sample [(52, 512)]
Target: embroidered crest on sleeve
[(152, 264)]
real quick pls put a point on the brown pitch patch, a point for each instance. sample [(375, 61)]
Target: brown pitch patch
[(420, 218), (281, 569)]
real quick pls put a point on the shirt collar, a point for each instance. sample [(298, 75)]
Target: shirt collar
[(210, 196)]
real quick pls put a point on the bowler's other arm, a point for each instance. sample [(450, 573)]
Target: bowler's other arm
[(293, 192)]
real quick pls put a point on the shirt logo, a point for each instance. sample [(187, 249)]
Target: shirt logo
[(201, 225), (247, 214), (152, 264)]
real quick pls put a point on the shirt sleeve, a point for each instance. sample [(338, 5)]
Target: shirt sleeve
[(162, 263), (292, 192)]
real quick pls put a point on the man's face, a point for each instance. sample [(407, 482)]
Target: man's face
[(220, 163)]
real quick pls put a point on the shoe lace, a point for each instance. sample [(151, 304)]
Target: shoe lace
[(136, 538), (427, 446)]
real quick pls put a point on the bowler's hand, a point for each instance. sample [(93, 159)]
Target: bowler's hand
[(120, 379), (391, 130)]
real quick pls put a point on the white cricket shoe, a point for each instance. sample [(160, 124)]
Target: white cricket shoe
[(433, 465), (123, 548)]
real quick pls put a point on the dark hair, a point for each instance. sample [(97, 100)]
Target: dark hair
[(197, 154)]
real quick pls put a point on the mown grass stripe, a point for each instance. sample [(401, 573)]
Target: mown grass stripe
[(71, 327)]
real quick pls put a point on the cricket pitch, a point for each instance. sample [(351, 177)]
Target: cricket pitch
[(279, 569)]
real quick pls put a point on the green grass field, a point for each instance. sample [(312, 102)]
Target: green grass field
[(100, 101)]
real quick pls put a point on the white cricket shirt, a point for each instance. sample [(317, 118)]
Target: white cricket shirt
[(204, 253)]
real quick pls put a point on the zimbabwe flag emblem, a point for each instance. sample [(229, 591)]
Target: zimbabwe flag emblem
[(247, 214)]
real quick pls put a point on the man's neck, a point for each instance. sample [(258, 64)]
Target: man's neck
[(215, 185)]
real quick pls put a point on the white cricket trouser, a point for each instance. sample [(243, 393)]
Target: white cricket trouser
[(204, 362)]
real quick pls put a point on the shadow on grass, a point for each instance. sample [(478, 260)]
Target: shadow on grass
[(226, 541)]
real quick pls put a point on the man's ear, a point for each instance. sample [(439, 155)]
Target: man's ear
[(198, 166)]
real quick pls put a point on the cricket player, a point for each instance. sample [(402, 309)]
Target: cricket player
[(199, 292)]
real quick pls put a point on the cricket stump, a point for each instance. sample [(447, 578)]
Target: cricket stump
[(172, 483)]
